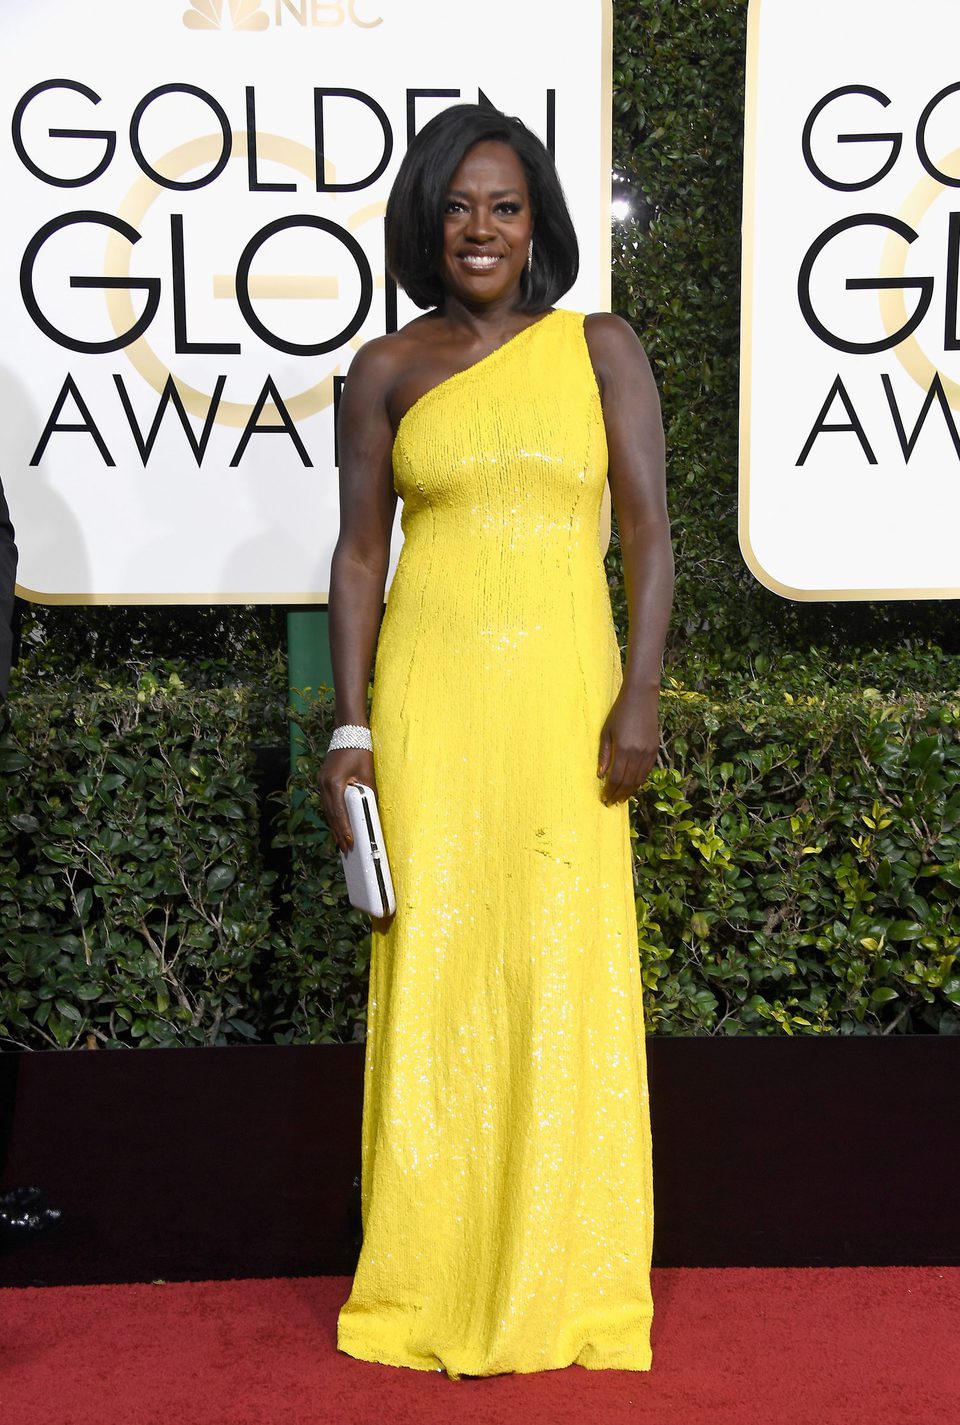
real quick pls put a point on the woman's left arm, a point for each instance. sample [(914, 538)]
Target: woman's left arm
[(631, 414)]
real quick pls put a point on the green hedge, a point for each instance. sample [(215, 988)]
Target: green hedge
[(797, 868), (135, 906)]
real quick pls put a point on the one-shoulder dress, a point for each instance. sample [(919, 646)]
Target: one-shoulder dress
[(506, 1157)]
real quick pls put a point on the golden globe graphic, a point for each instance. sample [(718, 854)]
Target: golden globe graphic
[(850, 369), (213, 14), (194, 253)]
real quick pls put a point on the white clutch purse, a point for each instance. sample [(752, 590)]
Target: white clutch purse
[(365, 865)]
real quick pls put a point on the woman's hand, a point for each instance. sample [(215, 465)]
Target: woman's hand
[(345, 765), (629, 744)]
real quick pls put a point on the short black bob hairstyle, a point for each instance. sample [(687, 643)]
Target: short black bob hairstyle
[(414, 218)]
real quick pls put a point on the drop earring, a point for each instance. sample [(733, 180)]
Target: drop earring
[(530, 256)]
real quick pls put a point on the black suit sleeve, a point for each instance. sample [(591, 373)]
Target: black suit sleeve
[(8, 575)]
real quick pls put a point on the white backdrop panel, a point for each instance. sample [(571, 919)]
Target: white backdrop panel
[(852, 513), (256, 524)]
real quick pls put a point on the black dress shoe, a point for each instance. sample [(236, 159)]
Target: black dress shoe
[(24, 1214)]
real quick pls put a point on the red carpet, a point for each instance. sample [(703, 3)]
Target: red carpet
[(755, 1347)]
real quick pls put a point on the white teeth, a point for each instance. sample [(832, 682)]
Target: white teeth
[(476, 260)]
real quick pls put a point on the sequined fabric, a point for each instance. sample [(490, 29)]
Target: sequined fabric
[(506, 1184)]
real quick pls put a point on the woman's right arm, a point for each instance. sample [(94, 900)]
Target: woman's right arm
[(358, 572)]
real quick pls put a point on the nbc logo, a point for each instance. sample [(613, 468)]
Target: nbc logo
[(208, 15)]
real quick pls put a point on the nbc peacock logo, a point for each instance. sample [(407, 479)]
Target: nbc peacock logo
[(224, 14)]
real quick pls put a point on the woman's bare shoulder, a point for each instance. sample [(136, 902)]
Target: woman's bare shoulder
[(382, 360), (611, 337), (616, 352)]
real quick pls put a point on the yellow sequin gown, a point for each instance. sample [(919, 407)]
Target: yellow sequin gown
[(506, 1157)]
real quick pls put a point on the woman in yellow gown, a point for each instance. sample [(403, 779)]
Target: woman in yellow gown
[(506, 1157)]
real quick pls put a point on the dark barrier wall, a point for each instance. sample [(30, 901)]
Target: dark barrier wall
[(229, 1162)]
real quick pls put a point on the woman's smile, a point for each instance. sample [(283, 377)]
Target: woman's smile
[(480, 261)]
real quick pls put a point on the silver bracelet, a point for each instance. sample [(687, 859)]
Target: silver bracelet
[(350, 734)]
